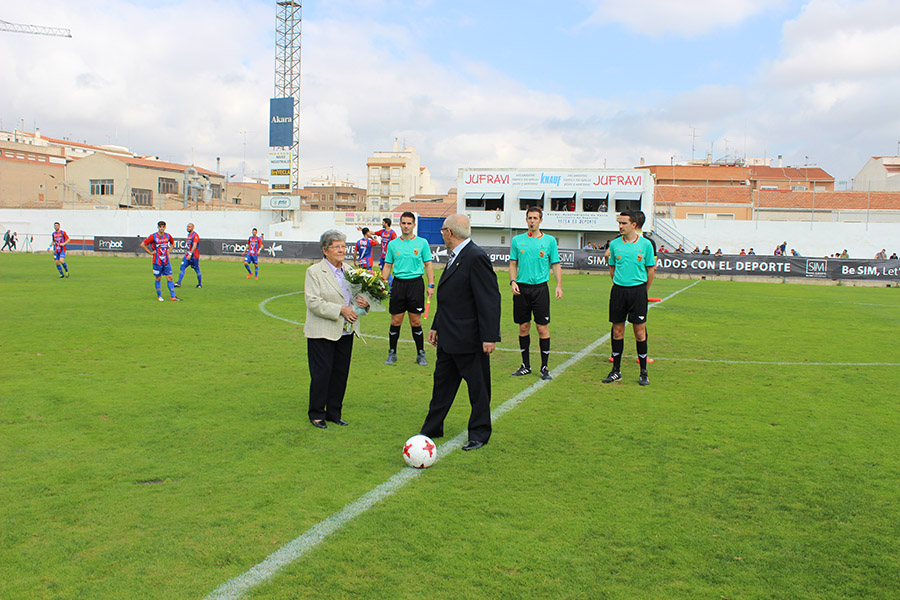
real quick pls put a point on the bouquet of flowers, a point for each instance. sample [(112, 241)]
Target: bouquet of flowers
[(369, 285)]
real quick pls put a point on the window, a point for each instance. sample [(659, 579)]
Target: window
[(798, 188), (374, 173), (167, 186), (531, 198), (725, 216), (474, 201), (595, 201), (395, 171), (694, 215), (395, 188), (101, 187), (493, 201), (628, 201), (375, 188), (235, 200), (141, 197), (216, 190), (562, 201)]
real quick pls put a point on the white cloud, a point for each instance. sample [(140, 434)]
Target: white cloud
[(833, 40), (184, 80), (686, 18)]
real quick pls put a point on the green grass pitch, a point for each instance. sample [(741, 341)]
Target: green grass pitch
[(156, 450)]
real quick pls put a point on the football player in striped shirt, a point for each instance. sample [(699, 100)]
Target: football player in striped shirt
[(254, 245), (191, 257), (60, 239), (157, 246)]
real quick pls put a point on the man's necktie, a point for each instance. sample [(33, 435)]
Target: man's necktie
[(451, 259)]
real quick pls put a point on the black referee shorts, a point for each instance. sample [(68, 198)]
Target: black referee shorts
[(407, 295), (628, 302), (532, 300)]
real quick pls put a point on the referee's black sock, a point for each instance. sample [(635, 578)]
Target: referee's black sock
[(394, 336), (642, 353), (617, 347), (418, 338), (524, 346), (545, 351)]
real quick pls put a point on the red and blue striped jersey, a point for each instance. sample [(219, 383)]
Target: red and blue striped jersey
[(193, 240), (364, 252), (160, 245), (254, 245), (59, 239), (386, 236)]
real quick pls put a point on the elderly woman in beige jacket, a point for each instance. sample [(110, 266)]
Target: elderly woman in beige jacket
[(331, 322)]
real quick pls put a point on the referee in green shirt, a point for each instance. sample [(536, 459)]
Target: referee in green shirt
[(531, 256), (632, 263), (408, 257)]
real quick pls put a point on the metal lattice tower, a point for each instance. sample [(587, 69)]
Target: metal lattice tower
[(287, 69), (36, 29)]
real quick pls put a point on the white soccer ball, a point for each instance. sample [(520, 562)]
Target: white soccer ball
[(419, 452)]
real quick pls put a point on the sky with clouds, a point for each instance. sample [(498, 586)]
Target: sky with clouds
[(576, 83)]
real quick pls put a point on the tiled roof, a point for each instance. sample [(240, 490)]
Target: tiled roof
[(681, 194), (830, 200), (166, 166), (789, 174), (697, 173), (429, 209), (696, 194)]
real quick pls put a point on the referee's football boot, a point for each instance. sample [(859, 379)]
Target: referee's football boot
[(545, 374), (523, 370), (613, 376), (644, 380), (420, 359), (392, 357)]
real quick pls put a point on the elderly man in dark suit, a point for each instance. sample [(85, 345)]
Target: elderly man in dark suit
[(465, 330)]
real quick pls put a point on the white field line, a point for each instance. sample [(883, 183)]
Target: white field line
[(298, 547), (262, 307)]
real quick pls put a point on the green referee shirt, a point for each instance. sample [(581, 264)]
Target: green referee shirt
[(631, 260), (408, 257), (534, 256)]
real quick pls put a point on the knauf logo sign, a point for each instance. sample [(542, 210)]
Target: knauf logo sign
[(550, 179), (280, 202)]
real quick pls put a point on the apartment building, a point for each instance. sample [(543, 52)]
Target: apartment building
[(394, 177)]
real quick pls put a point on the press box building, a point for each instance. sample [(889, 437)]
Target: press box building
[(580, 205)]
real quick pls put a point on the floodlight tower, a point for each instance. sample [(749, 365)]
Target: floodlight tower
[(287, 69)]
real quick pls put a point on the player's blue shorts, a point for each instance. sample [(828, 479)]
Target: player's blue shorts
[(160, 270), (194, 263), (251, 259), (61, 255)]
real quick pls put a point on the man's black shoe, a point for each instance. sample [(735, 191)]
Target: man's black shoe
[(523, 370), (545, 374), (613, 376), (340, 422), (472, 445), (644, 380), (176, 284), (319, 423)]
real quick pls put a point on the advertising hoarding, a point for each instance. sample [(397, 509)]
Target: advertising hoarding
[(281, 122)]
